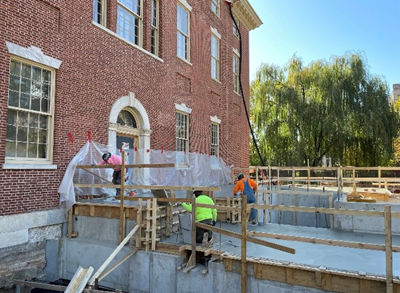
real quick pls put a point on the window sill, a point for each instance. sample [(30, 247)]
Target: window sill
[(30, 166), (216, 80), (184, 60), (124, 40)]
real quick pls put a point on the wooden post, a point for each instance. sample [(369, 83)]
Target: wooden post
[(243, 246), (70, 221), (379, 177), (354, 181), (154, 224), (192, 260), (293, 197), (388, 246), (139, 221), (122, 206)]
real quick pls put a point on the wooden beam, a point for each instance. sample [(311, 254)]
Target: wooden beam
[(79, 280), (113, 254), (166, 165), (98, 176), (103, 275), (152, 187)]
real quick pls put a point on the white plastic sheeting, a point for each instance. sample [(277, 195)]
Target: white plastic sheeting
[(190, 170)]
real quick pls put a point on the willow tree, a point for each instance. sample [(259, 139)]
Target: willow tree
[(335, 109)]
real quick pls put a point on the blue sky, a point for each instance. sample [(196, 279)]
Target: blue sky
[(320, 29)]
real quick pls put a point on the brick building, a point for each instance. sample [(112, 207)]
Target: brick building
[(163, 74)]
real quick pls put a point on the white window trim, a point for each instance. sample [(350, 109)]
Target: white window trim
[(218, 8), (25, 55), (182, 107), (156, 28), (34, 54), (215, 32), (186, 5), (238, 76), (215, 119), (236, 52), (103, 13), (114, 34), (140, 16)]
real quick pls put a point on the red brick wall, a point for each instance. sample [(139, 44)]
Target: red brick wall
[(98, 68)]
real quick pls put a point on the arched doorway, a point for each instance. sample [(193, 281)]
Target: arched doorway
[(129, 123)]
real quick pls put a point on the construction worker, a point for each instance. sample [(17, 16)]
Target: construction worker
[(109, 159), (204, 215), (247, 187)]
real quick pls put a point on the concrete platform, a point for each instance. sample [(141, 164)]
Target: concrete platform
[(363, 261)]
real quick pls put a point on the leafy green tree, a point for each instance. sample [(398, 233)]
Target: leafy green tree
[(335, 109)]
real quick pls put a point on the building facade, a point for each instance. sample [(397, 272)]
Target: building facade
[(161, 74)]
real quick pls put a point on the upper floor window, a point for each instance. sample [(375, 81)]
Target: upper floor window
[(236, 73), (235, 30), (215, 59), (99, 11), (30, 116), (129, 20), (154, 27), (215, 7), (183, 37), (214, 139), (182, 131)]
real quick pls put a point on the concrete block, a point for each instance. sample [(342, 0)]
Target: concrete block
[(140, 272), (223, 281), (163, 274), (194, 281)]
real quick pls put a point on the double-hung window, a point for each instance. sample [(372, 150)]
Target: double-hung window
[(154, 27), (235, 29), (214, 139), (99, 11), (30, 115), (236, 61), (215, 54), (129, 20), (182, 132), (215, 8), (183, 36)]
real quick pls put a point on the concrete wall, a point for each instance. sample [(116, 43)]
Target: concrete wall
[(301, 219), (23, 241), (153, 272), (364, 224)]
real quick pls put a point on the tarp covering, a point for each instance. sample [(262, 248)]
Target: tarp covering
[(190, 169)]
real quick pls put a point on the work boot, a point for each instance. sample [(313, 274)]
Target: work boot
[(212, 240), (204, 243)]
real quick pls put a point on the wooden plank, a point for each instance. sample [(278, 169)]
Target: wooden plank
[(351, 244), (113, 254), (94, 174), (318, 210), (154, 223), (250, 239), (365, 286), (243, 279), (103, 275), (152, 187), (326, 281), (79, 280), (192, 260), (70, 222), (165, 165)]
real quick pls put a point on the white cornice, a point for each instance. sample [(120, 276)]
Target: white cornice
[(245, 14)]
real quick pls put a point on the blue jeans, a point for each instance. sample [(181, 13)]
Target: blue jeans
[(253, 214)]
